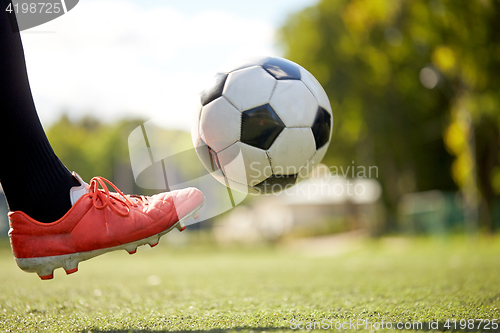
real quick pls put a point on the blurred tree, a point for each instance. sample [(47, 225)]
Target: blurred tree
[(92, 148), (415, 87)]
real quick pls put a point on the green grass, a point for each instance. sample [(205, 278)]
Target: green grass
[(244, 289)]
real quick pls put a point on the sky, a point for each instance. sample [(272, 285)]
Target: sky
[(148, 59)]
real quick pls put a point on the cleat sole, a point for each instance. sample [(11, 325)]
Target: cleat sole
[(44, 266)]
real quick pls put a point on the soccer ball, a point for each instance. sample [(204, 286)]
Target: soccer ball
[(262, 126)]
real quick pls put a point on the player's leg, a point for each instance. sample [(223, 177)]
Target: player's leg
[(33, 178), (56, 219)]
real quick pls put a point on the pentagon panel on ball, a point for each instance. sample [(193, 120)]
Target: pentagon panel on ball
[(264, 125), (213, 91), (322, 127), (281, 69), (260, 126)]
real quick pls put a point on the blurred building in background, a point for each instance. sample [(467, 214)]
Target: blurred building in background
[(321, 205)]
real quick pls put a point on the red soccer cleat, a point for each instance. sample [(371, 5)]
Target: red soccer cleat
[(98, 222)]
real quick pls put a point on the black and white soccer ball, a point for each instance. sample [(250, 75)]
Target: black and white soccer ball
[(262, 126)]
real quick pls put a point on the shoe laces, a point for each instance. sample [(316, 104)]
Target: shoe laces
[(118, 202)]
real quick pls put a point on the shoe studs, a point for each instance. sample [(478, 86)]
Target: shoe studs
[(180, 225), (131, 248), (196, 213), (71, 271), (153, 241), (46, 277), (70, 266), (46, 273)]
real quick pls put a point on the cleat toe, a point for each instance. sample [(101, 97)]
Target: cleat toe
[(153, 245), (132, 252), (182, 229)]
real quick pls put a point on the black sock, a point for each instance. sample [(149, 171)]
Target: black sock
[(33, 178)]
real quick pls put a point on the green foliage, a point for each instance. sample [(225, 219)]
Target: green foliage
[(91, 148), (370, 55)]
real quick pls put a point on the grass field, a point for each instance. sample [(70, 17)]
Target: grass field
[(209, 289)]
